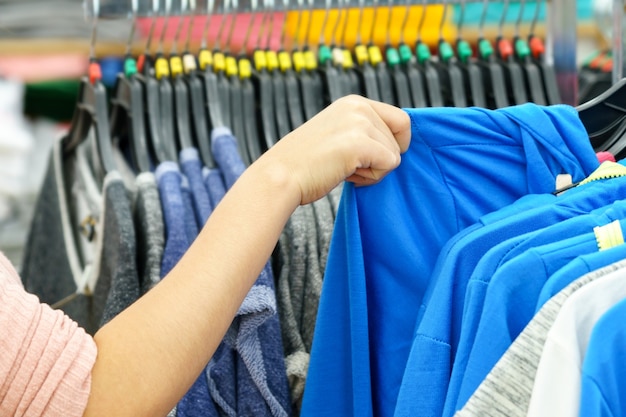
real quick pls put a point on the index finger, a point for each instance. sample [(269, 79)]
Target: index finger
[(397, 120)]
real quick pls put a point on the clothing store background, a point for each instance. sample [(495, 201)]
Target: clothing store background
[(43, 53)]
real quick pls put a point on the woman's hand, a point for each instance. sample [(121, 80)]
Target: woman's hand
[(354, 139)]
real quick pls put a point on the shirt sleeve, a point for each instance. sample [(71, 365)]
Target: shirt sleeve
[(46, 358)]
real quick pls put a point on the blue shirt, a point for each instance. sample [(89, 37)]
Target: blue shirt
[(177, 240), (196, 401), (577, 268), (192, 168), (510, 304), (387, 238), (214, 183), (603, 391), (488, 265)]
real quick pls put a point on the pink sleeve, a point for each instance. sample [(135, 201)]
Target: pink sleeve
[(45, 359)]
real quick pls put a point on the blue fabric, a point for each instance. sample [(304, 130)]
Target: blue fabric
[(177, 241), (225, 152), (488, 265), (197, 401), (435, 345), (577, 268), (382, 255), (255, 335), (191, 225), (603, 387), (192, 168), (214, 183), (510, 304)]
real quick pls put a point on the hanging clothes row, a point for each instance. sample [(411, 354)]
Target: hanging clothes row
[(142, 167), (425, 294)]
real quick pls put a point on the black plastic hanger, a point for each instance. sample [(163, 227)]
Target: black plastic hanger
[(305, 64), (604, 115), (92, 112), (352, 81), (231, 73), (197, 102), (427, 66), (383, 75), (408, 65), (199, 123), (161, 149), (513, 74), (249, 110), (472, 73), (451, 75), (127, 115), (532, 73), (365, 71), (292, 87), (493, 73), (181, 103), (398, 76), (264, 90), (548, 75)]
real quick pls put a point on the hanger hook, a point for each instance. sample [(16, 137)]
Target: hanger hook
[(374, 18), (246, 39), (322, 39), (283, 31), (459, 24), (179, 27), (483, 15), (168, 8), (420, 25), (94, 30), (233, 21), (205, 32), (155, 12), (345, 24), (390, 7), (220, 31), (307, 32), (193, 10), (502, 18), (333, 38), (359, 24), (262, 25), (518, 21), (535, 17), (131, 36), (405, 20), (443, 19), (272, 24)]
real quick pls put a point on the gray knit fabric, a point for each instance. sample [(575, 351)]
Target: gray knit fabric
[(148, 219), (51, 264), (506, 390), (63, 250), (117, 286), (335, 198), (292, 267)]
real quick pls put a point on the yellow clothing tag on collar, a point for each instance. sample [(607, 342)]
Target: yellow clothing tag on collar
[(609, 235), (605, 171)]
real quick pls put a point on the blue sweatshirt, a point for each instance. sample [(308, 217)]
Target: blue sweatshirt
[(461, 164)]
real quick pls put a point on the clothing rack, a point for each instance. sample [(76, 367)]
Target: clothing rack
[(560, 43)]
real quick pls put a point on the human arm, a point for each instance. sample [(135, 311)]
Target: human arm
[(151, 353)]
